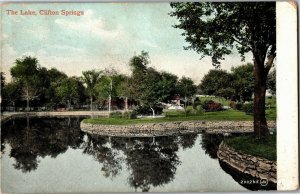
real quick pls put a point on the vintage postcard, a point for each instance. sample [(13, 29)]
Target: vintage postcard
[(149, 97)]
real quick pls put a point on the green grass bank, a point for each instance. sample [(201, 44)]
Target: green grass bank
[(249, 144)]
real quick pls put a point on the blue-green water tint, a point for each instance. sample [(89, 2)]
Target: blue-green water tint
[(42, 155)]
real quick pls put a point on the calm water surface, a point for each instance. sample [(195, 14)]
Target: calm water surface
[(54, 155)]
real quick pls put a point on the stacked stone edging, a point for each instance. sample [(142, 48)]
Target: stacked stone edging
[(257, 167), (171, 128)]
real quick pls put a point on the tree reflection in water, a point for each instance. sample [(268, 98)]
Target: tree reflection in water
[(210, 144), (100, 149), (150, 161), (30, 138)]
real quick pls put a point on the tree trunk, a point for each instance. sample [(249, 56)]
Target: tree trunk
[(27, 102), (126, 103), (153, 112), (91, 103), (260, 123)]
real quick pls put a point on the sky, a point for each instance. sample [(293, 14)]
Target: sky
[(107, 35)]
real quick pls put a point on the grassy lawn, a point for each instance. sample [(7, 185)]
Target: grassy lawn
[(230, 115), (271, 108), (248, 144)]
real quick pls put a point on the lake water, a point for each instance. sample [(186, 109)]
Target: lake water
[(42, 155)]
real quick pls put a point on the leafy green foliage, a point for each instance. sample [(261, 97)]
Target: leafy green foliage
[(236, 85), (271, 82), (70, 90), (116, 114), (214, 28), (248, 108), (146, 109), (215, 81), (26, 71), (129, 115), (186, 87), (243, 82), (211, 106)]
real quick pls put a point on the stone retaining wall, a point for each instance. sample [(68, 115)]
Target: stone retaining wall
[(257, 167), (171, 128)]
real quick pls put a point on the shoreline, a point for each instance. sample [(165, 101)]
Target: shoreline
[(257, 167), (171, 128), (8, 116)]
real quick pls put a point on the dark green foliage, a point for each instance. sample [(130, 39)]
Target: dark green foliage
[(69, 90), (271, 82), (214, 28), (186, 87), (211, 106), (243, 82), (189, 110), (214, 81), (236, 85), (248, 108), (239, 106), (146, 110), (116, 114), (129, 115), (199, 110), (197, 102)]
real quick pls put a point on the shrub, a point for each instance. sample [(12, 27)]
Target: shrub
[(248, 108), (126, 115), (189, 110), (199, 110), (211, 106), (146, 110), (133, 115), (196, 103), (232, 104), (129, 115), (116, 114), (239, 106)]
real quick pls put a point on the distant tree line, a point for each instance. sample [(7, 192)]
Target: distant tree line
[(237, 85), (35, 86)]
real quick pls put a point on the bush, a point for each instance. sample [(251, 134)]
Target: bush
[(199, 110), (129, 115), (211, 106), (146, 110), (189, 110), (116, 114), (196, 103), (239, 106), (232, 104), (248, 108)]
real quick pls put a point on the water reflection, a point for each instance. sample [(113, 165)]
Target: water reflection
[(149, 162), (210, 144), (31, 138)]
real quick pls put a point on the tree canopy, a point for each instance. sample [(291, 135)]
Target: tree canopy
[(214, 29)]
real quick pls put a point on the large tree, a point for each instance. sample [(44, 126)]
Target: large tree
[(70, 91), (215, 28), (216, 82), (243, 82), (26, 71), (186, 88), (90, 79)]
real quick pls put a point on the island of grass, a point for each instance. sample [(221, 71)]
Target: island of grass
[(226, 115), (249, 144)]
